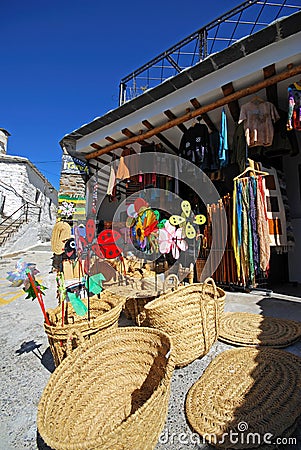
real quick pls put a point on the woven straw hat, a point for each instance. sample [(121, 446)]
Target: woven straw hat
[(60, 233)]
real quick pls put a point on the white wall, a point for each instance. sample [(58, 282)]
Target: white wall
[(21, 182)]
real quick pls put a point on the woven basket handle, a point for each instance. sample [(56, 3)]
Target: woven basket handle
[(72, 334), (174, 277), (207, 282)]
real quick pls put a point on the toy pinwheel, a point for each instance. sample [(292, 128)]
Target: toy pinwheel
[(134, 209), (107, 244), (95, 283), (35, 290), (143, 223), (77, 304), (172, 239), (88, 246), (18, 276), (183, 220)]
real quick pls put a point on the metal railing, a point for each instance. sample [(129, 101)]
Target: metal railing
[(28, 212), (245, 19)]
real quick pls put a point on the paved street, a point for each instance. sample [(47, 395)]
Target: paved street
[(27, 363)]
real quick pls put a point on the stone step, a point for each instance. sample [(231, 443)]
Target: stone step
[(8, 230)]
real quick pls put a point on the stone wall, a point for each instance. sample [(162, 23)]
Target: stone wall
[(72, 184)]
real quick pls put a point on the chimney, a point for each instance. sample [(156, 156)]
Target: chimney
[(3, 141)]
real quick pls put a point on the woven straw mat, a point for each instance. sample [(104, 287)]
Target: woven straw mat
[(246, 390), (247, 329), (111, 393)]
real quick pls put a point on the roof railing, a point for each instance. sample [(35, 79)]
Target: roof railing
[(243, 20)]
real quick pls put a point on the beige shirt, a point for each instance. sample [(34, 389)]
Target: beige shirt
[(258, 117)]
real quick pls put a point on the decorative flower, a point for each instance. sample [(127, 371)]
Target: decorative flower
[(182, 220), (172, 239), (139, 231), (143, 223), (67, 209)]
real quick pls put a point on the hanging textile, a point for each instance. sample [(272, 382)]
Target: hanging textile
[(123, 172), (111, 189), (250, 233), (194, 146), (223, 141), (239, 151), (294, 107), (226, 272), (258, 117)]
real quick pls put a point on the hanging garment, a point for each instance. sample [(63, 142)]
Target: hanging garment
[(194, 146), (223, 141), (131, 163), (123, 172), (111, 189), (258, 117), (236, 225), (294, 107), (214, 140), (284, 142), (253, 213), (111, 183), (239, 152), (262, 227), (247, 247)]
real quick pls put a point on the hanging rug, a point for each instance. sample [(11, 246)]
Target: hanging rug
[(247, 329), (246, 398)]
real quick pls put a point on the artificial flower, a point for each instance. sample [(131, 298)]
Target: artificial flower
[(172, 239)]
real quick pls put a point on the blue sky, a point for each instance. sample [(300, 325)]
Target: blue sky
[(61, 62)]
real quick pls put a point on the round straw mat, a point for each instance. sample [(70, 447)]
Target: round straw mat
[(246, 329), (246, 391)]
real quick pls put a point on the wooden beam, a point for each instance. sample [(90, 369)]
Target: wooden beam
[(129, 134), (110, 139), (160, 136), (171, 116), (271, 91), (196, 104), (233, 106), (96, 146), (206, 108), (97, 168)]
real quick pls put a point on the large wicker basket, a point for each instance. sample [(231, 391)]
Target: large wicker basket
[(190, 315), (135, 303), (111, 393), (104, 313)]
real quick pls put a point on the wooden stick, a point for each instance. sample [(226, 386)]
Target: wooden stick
[(39, 297)]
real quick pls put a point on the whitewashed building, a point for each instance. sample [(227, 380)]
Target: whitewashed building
[(28, 202)]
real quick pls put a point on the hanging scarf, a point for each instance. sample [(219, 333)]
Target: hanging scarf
[(262, 228), (223, 141), (253, 215)]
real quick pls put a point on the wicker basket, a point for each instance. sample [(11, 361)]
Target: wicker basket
[(190, 315), (111, 393), (134, 305), (104, 313)]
